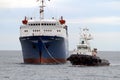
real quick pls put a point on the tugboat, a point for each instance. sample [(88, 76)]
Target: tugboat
[(44, 41), (84, 54)]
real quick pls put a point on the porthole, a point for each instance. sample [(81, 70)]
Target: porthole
[(25, 30)]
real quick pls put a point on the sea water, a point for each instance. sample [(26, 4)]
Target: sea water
[(12, 68)]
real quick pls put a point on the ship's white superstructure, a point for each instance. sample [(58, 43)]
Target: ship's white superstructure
[(84, 46), (43, 28)]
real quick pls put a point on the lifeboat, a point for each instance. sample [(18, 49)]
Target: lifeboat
[(25, 21), (62, 21)]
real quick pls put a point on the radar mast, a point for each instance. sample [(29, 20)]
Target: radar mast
[(42, 8)]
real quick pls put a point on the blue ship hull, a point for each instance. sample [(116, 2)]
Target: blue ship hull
[(43, 49)]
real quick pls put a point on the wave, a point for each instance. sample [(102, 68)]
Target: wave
[(115, 64)]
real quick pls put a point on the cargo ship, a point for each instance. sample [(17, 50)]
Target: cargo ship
[(44, 41)]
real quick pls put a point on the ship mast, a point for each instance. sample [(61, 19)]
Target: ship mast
[(42, 8), (85, 35)]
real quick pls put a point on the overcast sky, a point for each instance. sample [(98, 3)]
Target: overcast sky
[(102, 17)]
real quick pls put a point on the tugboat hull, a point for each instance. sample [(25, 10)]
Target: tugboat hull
[(87, 60)]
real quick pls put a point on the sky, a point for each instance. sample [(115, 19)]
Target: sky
[(102, 17)]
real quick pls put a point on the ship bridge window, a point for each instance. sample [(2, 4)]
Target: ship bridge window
[(43, 24), (35, 24), (83, 47), (82, 42), (31, 24), (48, 24), (53, 24), (38, 24)]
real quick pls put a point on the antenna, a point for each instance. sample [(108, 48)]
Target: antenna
[(42, 8)]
